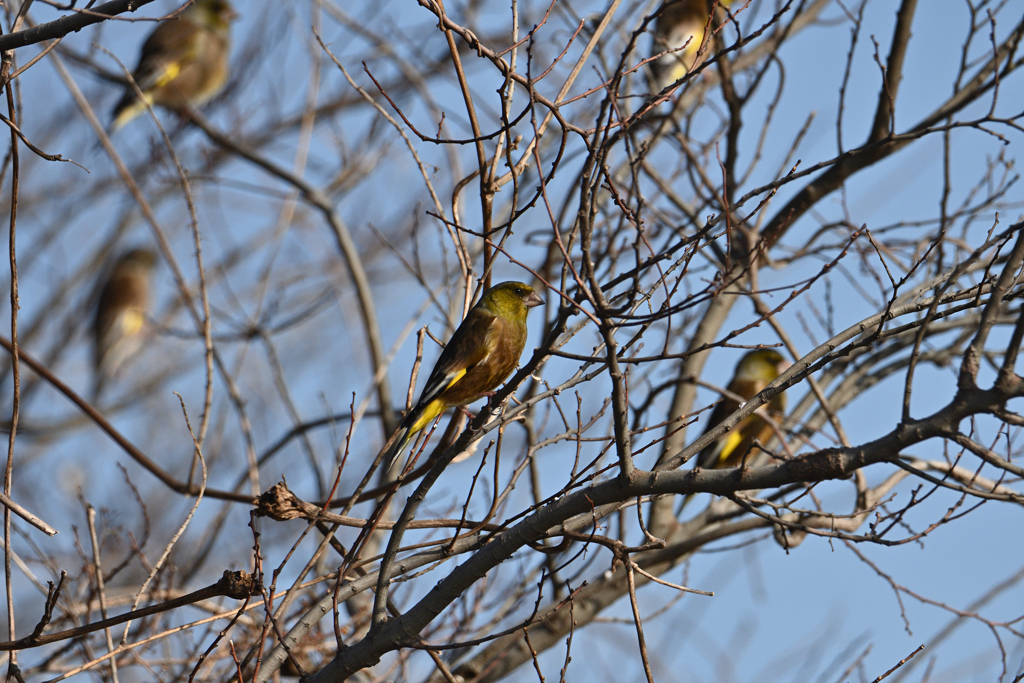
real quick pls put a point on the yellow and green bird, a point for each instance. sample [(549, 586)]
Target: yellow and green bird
[(184, 62), (683, 27), (755, 371), (481, 354), (121, 313)]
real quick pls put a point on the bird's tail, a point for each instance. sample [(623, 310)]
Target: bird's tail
[(415, 420), (396, 445), (126, 110)]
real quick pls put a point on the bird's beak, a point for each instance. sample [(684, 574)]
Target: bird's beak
[(784, 365), (533, 300)]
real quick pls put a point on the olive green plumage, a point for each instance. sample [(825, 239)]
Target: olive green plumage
[(121, 314), (755, 371), (481, 354), (683, 27), (184, 62)]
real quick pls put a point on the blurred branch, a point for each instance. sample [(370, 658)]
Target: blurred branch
[(119, 439), (349, 251)]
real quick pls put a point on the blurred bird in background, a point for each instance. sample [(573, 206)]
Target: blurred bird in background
[(755, 371), (121, 314), (481, 354), (681, 23), (183, 64)]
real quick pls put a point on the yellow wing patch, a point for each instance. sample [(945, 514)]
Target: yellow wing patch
[(170, 72), (456, 377), (435, 407), (131, 323), (732, 442)]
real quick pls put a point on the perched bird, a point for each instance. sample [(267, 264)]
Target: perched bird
[(481, 354), (755, 371), (683, 27), (121, 313), (184, 62)]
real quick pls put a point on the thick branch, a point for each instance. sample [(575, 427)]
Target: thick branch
[(69, 23), (576, 512)]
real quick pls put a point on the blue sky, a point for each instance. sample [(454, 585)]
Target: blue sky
[(798, 616)]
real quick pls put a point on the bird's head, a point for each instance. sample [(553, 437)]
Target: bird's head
[(510, 300), (215, 14), (762, 365), (142, 259)]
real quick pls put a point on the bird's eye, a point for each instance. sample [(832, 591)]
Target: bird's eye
[(520, 291)]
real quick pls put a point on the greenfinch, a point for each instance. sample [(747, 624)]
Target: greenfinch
[(683, 28), (184, 62), (481, 354), (121, 313), (755, 371)]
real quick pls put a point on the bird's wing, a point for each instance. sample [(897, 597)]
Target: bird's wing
[(711, 455), (171, 46), (121, 294), (117, 339), (467, 347), (726, 445)]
